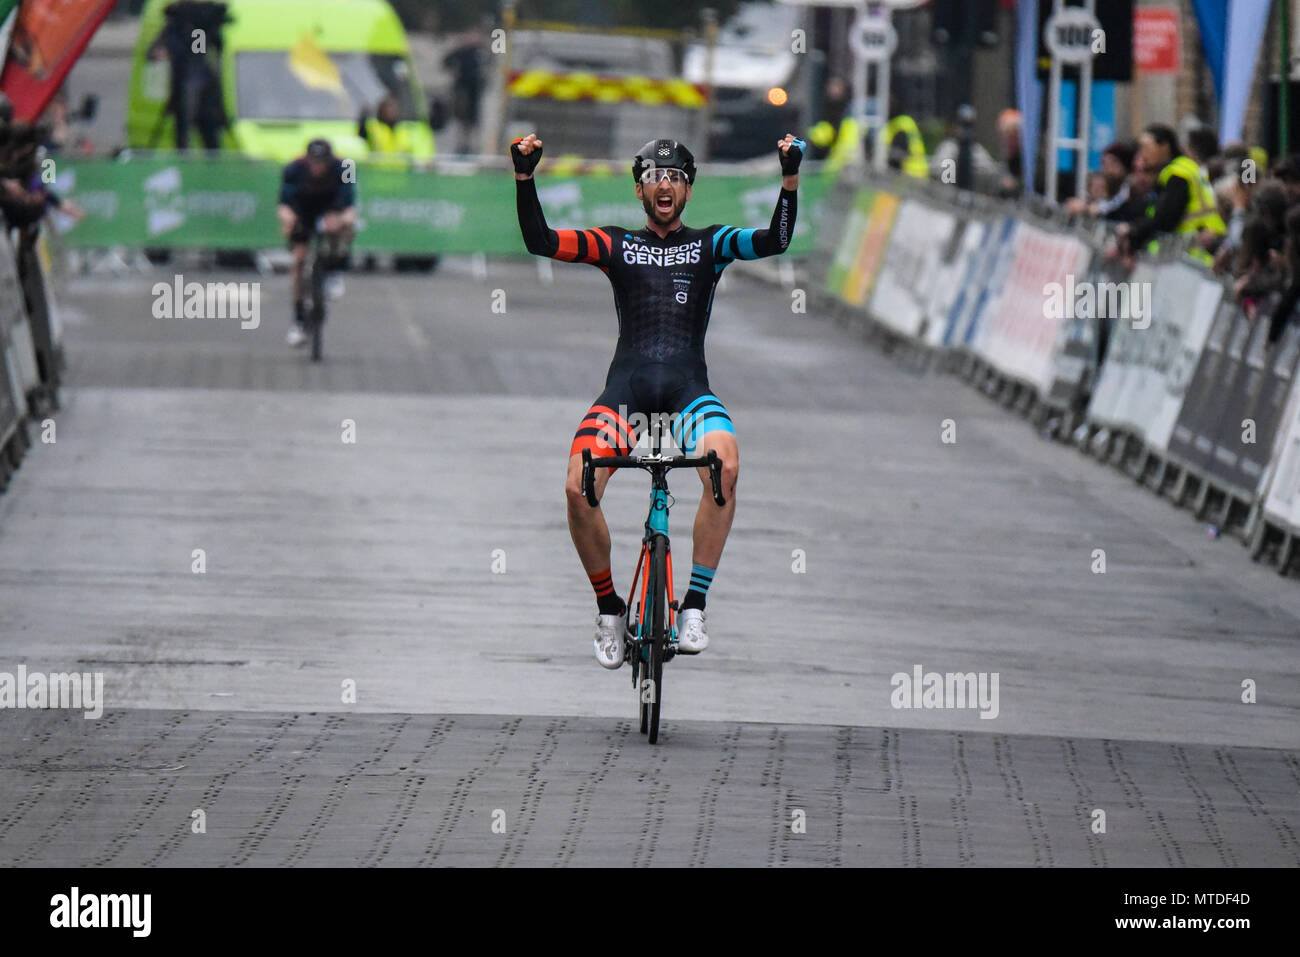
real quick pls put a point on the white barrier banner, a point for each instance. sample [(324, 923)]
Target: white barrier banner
[(916, 246), (978, 250), (944, 286), (1282, 504), (1018, 336), (1187, 302), (1003, 254)]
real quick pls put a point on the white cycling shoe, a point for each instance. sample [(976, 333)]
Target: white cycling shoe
[(691, 637), (296, 336), (609, 641)]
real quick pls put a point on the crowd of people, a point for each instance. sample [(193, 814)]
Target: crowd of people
[(1237, 212)]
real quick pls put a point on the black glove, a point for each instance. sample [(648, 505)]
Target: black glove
[(791, 158), (525, 165)]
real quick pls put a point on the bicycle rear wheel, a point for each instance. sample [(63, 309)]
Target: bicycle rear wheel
[(658, 638), (638, 669)]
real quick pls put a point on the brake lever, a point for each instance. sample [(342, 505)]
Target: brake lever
[(588, 485), (715, 477)]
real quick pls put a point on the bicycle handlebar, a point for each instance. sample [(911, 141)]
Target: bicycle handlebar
[(589, 466)]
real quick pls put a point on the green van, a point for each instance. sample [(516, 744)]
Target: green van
[(280, 73)]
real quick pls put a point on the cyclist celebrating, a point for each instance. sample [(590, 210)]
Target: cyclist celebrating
[(313, 187), (664, 275)]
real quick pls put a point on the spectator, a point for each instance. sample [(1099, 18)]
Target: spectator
[(1203, 147), (947, 156), (1184, 204), (1141, 192), (195, 97), (1259, 274), (1288, 174), (1113, 198), (822, 135), (466, 66), (25, 197), (385, 138), (1284, 311), (1013, 163), (57, 120), (1266, 203)]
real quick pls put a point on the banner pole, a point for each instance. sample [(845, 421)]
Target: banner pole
[(1284, 82)]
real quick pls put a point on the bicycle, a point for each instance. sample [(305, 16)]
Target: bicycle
[(316, 267), (316, 270), (652, 642)]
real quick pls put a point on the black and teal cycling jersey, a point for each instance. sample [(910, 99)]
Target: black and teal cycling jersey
[(663, 295)]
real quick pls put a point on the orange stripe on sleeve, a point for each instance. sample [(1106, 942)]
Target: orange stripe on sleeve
[(568, 250)]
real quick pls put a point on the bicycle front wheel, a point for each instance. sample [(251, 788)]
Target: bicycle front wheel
[(659, 639), (317, 304)]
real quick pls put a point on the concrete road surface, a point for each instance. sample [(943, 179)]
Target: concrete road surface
[(373, 651)]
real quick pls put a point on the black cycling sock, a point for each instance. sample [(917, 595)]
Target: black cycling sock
[(611, 604), (693, 599), (300, 312)]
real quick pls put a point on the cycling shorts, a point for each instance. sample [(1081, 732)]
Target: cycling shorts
[(635, 392)]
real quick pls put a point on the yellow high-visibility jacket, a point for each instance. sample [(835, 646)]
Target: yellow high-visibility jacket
[(915, 165)]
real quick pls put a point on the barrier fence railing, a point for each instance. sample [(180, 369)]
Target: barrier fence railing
[(31, 349), (1159, 372)]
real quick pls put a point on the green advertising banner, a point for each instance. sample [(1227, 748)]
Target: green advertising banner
[(229, 203)]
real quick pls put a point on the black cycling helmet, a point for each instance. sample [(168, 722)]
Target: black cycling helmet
[(320, 149), (668, 153)]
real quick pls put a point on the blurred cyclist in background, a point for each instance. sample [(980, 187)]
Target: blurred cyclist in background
[(316, 188)]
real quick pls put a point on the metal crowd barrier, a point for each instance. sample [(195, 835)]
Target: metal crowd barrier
[(1160, 372), (30, 346)]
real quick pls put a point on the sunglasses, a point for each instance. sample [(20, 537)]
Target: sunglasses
[(657, 174)]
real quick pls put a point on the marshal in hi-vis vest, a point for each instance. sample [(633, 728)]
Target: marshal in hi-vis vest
[(388, 144), (915, 164), (1202, 212)]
